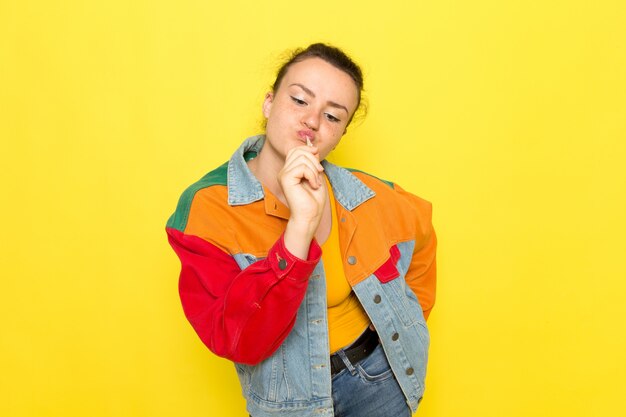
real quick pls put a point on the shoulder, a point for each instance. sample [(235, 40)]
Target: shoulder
[(389, 189), (371, 180), (409, 211), (209, 188)]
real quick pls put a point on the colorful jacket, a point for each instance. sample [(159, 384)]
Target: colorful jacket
[(251, 301)]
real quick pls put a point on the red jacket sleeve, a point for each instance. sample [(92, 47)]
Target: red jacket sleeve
[(242, 315)]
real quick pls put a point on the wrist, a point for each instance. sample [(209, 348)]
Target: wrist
[(298, 237)]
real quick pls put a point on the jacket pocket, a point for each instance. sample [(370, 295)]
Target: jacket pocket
[(404, 302)]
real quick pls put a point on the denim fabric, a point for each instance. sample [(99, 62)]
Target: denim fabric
[(296, 380), (245, 188), (368, 389)]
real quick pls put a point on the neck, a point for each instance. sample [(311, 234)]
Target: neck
[(265, 168)]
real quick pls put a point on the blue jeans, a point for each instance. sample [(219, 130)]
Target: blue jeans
[(368, 389)]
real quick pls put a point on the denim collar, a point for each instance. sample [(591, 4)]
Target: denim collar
[(245, 188)]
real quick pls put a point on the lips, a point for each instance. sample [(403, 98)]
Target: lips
[(306, 134)]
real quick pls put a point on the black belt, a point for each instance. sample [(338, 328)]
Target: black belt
[(357, 351)]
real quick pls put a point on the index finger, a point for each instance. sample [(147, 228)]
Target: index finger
[(310, 154)]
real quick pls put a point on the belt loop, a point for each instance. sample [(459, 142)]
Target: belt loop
[(346, 361)]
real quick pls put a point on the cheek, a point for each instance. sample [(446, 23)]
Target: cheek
[(274, 121), (335, 131), (282, 115), (332, 140)]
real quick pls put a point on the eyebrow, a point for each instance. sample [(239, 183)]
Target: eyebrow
[(312, 94)]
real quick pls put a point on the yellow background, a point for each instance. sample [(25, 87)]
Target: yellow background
[(510, 116)]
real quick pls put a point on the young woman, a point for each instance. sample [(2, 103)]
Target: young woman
[(313, 279)]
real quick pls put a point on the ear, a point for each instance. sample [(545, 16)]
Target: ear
[(267, 104)]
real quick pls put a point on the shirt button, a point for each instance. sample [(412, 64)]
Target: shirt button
[(395, 336), (409, 371), (343, 220), (377, 299), (282, 264), (351, 260)]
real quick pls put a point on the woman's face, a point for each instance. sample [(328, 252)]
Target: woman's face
[(314, 100)]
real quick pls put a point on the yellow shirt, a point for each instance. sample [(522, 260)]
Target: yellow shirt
[(346, 317)]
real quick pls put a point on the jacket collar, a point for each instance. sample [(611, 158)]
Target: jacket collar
[(245, 188)]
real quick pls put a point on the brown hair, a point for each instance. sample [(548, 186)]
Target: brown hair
[(333, 56)]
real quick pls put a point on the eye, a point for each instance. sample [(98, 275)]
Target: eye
[(298, 101), (332, 118)]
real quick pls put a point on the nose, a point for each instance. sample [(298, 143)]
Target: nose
[(310, 120)]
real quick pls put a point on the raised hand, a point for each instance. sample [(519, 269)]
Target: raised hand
[(302, 182)]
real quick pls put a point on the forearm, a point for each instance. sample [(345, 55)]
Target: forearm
[(298, 236), (241, 315)]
